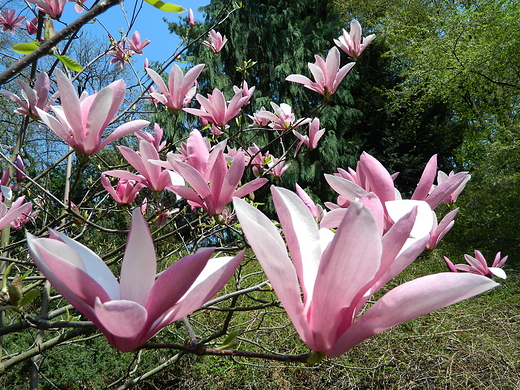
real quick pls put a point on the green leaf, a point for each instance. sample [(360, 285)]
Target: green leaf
[(29, 297), (26, 48), (166, 7), (230, 342), (69, 63)]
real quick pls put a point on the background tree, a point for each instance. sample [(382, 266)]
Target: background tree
[(281, 37), (453, 70)]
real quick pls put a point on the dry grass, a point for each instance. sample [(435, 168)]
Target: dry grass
[(472, 345)]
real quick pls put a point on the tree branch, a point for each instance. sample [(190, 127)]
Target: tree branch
[(47, 47)]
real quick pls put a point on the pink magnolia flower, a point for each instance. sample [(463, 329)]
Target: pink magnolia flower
[(34, 98), (452, 198), (81, 122), (78, 6), (478, 265), (440, 230), (214, 194), (351, 43), (53, 8), (245, 91), (215, 109), (25, 215), (136, 44), (5, 190), (448, 188), (315, 133), (191, 18), (18, 208), (151, 99), (154, 139), (257, 159), (327, 74), (125, 192), (196, 153), (131, 311), (371, 176), (121, 54), (338, 272), (277, 167), (181, 88), (282, 118), (150, 175), (163, 217), (259, 119), (32, 25), (216, 41), (9, 21)]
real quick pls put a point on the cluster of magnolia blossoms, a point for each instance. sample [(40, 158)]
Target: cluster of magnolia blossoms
[(123, 54), (213, 183), (327, 73), (338, 260), (372, 178)]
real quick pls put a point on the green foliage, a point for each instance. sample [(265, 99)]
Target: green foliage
[(445, 80), (490, 211), (166, 7), (26, 48), (69, 62)]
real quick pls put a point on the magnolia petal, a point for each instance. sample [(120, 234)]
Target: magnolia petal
[(381, 183), (157, 79), (372, 202), (445, 189), (333, 218), (300, 79), (71, 105), (187, 193), (302, 237), (173, 283), (270, 251), (56, 126), (218, 173), (423, 223), (96, 117), (250, 187), (124, 175), (121, 318), (61, 265), (210, 281), (411, 300), (425, 183), (498, 272), (125, 129), (93, 265), (350, 261), (198, 153), (118, 88), (139, 262), (344, 187)]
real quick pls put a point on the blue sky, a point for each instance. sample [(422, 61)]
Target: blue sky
[(149, 23)]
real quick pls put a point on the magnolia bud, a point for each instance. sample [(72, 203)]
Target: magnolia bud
[(15, 291), (19, 163), (191, 18)]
